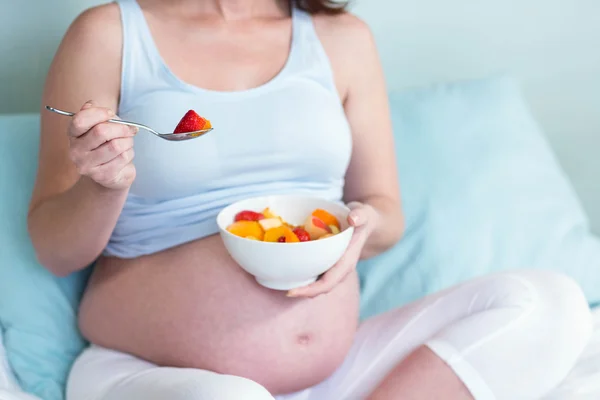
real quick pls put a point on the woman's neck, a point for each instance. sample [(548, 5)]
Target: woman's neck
[(231, 10)]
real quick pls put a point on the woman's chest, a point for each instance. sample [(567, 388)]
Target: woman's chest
[(294, 134), (211, 56)]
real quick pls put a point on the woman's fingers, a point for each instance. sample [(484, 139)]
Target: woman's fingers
[(338, 272), (114, 171), (326, 283), (102, 133), (88, 118), (110, 150), (102, 150)]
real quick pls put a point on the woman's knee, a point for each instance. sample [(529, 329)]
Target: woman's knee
[(559, 313), (547, 325), (562, 298)]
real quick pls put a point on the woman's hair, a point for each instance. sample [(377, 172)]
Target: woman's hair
[(321, 6)]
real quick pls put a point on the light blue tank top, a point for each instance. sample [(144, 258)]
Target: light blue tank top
[(289, 135)]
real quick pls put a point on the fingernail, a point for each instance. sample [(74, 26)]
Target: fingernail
[(291, 294), (354, 219), (111, 113)]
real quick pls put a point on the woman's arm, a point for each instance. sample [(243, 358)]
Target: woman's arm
[(371, 178), (71, 216)]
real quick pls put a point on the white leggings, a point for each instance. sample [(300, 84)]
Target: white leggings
[(509, 336)]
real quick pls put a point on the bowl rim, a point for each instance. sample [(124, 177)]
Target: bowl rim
[(263, 243)]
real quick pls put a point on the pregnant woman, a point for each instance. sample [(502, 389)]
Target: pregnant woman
[(297, 97)]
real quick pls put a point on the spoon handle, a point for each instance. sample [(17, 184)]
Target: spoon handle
[(116, 121)]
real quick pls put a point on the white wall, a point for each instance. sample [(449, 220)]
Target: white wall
[(551, 46), (30, 31)]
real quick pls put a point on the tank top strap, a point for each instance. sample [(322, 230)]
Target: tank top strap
[(310, 58), (140, 59)]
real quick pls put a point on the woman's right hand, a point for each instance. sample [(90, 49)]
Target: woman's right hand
[(102, 151)]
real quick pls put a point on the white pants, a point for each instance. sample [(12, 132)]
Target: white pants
[(509, 336)]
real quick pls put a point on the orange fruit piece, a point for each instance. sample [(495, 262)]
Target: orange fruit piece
[(281, 234), (246, 229), (326, 217)]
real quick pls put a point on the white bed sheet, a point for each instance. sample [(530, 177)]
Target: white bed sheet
[(583, 383)]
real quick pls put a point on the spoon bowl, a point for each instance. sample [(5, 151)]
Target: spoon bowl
[(174, 137)]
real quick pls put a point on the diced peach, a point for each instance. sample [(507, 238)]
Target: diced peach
[(269, 214), (316, 227), (326, 217), (281, 234), (270, 223), (246, 228)]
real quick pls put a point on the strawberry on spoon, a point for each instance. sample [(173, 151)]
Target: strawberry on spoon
[(183, 135), (192, 122)]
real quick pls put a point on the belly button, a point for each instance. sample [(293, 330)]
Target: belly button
[(304, 339)]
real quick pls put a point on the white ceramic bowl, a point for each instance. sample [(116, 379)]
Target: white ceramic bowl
[(284, 266)]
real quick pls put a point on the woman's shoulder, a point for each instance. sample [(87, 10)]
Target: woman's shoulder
[(345, 30), (345, 37), (90, 55), (97, 27)]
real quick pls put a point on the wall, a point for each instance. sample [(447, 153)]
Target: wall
[(551, 46)]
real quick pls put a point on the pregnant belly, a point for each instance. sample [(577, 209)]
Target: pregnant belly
[(192, 306)]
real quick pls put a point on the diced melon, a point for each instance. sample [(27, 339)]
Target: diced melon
[(270, 223), (334, 229)]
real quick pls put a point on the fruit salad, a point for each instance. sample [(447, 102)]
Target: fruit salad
[(267, 226), (192, 122)]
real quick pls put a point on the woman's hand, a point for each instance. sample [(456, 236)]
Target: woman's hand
[(364, 219), (101, 150)]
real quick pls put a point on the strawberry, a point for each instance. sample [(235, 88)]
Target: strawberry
[(248, 216), (191, 122), (303, 236)]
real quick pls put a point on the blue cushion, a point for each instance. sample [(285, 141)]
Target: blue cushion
[(482, 192), (37, 310)]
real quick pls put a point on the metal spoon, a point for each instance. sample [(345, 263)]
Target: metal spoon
[(166, 136)]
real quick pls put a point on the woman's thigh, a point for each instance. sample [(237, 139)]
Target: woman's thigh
[(510, 336)]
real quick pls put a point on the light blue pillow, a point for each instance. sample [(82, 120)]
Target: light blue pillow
[(482, 192), (37, 310)]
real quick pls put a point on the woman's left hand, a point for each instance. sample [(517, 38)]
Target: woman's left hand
[(363, 218)]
